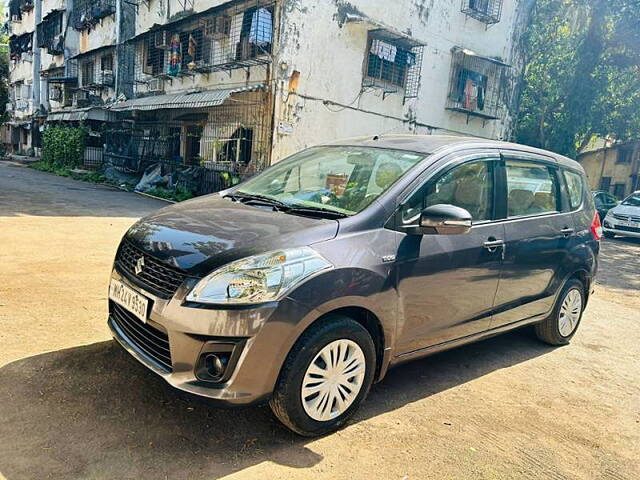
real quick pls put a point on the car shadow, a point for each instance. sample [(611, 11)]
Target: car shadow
[(620, 263), (94, 412)]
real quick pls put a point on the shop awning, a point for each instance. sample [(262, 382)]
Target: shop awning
[(208, 98), (79, 114)]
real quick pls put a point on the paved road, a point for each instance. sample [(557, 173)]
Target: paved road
[(73, 405)]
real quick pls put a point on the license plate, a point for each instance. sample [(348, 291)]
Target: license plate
[(128, 298), (629, 224)]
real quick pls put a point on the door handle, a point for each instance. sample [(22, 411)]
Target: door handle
[(493, 244), (566, 231)]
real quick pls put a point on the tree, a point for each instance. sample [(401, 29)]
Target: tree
[(582, 75)]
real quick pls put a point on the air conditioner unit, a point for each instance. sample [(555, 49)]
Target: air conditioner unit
[(155, 85), (106, 78), (218, 27), (162, 39)]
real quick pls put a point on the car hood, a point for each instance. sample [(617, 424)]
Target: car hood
[(202, 234), (626, 210)]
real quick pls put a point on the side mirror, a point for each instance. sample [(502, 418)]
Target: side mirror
[(444, 220)]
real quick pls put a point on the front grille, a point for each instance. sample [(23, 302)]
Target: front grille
[(158, 278), (626, 218), (151, 341)]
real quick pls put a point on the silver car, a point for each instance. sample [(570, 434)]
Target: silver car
[(624, 219)]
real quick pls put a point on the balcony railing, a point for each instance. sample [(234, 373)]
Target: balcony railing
[(476, 84), (225, 40), (486, 11)]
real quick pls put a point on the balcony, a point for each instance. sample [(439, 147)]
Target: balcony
[(50, 35), (476, 84), (21, 47), (225, 40), (87, 13), (485, 11)]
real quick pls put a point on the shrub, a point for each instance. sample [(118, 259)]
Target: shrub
[(64, 146)]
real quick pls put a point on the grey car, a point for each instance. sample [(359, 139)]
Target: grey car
[(624, 219), (304, 284)]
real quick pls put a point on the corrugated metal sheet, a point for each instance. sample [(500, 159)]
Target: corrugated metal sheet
[(208, 98), (89, 113)]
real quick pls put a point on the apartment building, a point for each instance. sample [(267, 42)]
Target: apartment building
[(225, 88), (613, 167)]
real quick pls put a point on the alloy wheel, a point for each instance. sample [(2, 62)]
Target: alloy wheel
[(570, 311), (333, 380)]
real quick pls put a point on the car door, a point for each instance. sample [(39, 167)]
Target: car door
[(446, 283), (538, 231)]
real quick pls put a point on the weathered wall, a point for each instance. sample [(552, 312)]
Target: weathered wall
[(602, 163), (101, 35), (330, 53), (27, 24)]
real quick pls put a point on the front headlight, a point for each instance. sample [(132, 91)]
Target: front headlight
[(257, 279)]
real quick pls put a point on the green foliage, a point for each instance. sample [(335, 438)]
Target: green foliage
[(582, 77), (63, 146), (179, 194), (93, 177)]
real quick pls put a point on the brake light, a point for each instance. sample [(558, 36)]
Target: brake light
[(596, 227)]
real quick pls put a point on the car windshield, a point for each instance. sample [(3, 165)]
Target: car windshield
[(340, 179), (633, 200)]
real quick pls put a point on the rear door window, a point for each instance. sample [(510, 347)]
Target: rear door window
[(532, 189), (575, 187)]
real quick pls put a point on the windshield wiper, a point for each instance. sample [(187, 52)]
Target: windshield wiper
[(239, 196), (316, 211), (286, 208)]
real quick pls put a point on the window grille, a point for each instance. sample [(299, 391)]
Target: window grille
[(87, 13), (209, 148), (96, 70), (19, 45), (50, 33), (393, 63), (486, 11), (476, 84), (226, 39)]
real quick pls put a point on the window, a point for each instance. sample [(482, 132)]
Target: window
[(475, 84), (575, 186), (469, 186), (625, 155), (619, 190), (256, 34), (393, 62), (153, 57), (486, 11), (88, 73), (106, 62), (605, 183), (531, 189)]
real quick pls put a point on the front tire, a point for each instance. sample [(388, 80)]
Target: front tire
[(559, 327), (325, 378)]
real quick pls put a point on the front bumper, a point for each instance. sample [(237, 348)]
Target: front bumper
[(611, 227), (262, 337)]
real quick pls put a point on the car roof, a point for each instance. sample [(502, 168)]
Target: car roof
[(430, 144)]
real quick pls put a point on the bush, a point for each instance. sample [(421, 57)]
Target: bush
[(64, 146)]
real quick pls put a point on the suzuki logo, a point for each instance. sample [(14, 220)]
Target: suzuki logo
[(139, 265)]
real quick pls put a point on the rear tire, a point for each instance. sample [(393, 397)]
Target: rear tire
[(559, 327), (349, 350)]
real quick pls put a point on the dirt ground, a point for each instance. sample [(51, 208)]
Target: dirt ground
[(74, 405)]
